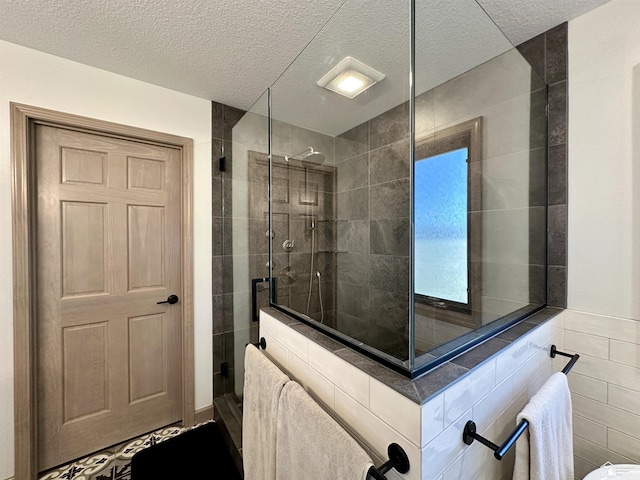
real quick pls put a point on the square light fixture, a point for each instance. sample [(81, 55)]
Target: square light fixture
[(350, 78)]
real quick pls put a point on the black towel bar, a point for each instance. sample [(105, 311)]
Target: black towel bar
[(397, 459), (499, 451)]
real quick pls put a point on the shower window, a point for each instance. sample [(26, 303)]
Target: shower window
[(441, 213), (444, 226)]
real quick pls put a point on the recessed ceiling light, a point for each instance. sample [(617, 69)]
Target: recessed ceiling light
[(350, 78)]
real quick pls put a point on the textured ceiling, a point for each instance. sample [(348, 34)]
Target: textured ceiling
[(229, 51)]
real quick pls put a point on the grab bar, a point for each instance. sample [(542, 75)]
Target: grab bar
[(397, 459), (469, 434)]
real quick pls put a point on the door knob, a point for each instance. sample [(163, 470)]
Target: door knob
[(171, 299)]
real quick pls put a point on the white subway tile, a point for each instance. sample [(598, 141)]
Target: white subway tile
[(487, 409), (507, 420), (376, 433), (608, 371), (318, 386), (587, 386), (439, 453), (540, 362), (510, 359), (539, 339), (275, 351), (432, 419), (461, 396), (595, 454), (625, 352), (396, 410), (590, 430), (624, 399), (615, 418), (603, 326), (342, 374), (584, 343), (624, 444), (474, 459), (583, 467), (489, 469), (287, 336)]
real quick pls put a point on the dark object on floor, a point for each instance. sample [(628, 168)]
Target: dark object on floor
[(197, 453)]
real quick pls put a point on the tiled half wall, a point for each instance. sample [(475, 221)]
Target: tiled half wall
[(491, 394)]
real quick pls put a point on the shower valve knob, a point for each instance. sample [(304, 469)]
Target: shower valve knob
[(288, 245)]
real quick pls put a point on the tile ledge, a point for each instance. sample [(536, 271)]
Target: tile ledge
[(433, 382)]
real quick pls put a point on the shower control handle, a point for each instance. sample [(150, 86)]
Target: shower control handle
[(171, 299), (288, 245)]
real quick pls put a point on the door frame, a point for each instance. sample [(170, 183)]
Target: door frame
[(23, 117)]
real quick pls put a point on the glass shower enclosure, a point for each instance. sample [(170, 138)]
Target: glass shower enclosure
[(396, 183)]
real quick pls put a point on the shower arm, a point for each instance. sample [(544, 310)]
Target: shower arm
[(308, 149)]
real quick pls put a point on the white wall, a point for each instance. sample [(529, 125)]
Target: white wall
[(42, 80), (604, 156), (604, 233)]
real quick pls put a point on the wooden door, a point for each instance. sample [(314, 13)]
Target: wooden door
[(108, 232)]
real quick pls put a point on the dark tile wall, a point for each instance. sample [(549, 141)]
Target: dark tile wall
[(548, 55), (372, 208), (223, 118)]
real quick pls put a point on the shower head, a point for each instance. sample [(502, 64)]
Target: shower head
[(309, 157)]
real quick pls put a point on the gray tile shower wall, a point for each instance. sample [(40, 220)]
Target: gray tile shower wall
[(372, 209), (548, 54), (223, 119)]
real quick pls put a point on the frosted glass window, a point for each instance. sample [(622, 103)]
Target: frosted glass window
[(441, 229)]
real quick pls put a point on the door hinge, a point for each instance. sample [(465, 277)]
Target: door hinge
[(224, 370), (222, 164)]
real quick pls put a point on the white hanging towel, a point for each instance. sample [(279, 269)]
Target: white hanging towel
[(313, 446), (545, 450), (263, 383)]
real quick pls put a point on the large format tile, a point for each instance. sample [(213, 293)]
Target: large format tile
[(390, 162)]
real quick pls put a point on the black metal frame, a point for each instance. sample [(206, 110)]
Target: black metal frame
[(499, 451), (397, 459), (255, 314)]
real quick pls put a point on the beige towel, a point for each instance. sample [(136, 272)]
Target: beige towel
[(311, 445), (545, 451), (263, 383)]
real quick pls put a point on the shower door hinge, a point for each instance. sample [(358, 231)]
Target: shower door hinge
[(224, 370), (222, 165)]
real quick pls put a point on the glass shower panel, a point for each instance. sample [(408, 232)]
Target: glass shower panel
[(475, 94), (341, 170), (245, 205)]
